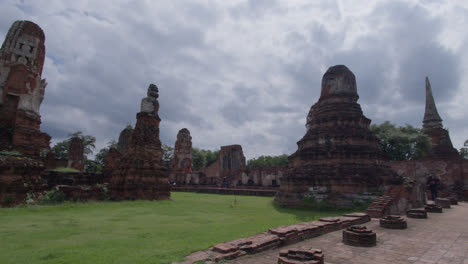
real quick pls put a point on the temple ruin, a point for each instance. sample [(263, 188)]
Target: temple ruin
[(22, 89), (181, 163), (141, 173), (76, 154), (21, 93), (443, 160), (339, 157)]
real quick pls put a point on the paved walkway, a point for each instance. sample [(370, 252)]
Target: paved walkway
[(442, 238)]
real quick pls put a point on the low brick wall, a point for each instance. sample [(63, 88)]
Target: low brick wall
[(252, 192)]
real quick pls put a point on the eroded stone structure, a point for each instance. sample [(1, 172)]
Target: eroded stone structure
[(76, 154), (232, 163), (339, 157), (21, 92), (416, 213), (141, 173), (182, 161), (124, 139), (442, 162), (300, 256), (22, 89), (359, 236), (432, 125), (393, 222)]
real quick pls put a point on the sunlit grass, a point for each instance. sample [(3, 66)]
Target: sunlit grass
[(137, 231)]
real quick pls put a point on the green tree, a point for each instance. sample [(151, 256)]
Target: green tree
[(168, 152), (198, 159), (402, 143), (61, 148), (464, 150), (100, 157), (268, 161)]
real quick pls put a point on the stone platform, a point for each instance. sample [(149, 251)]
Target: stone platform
[(442, 238)]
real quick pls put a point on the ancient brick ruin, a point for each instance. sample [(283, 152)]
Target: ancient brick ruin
[(443, 161), (359, 236), (339, 157), (22, 89), (141, 173), (76, 154), (443, 202), (277, 237), (297, 256), (21, 93), (393, 222), (124, 139), (181, 163), (416, 213), (433, 208)]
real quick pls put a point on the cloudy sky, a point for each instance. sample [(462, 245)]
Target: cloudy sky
[(244, 72)]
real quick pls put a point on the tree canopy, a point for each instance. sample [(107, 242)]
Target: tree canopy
[(268, 161), (464, 150), (202, 158), (61, 148), (100, 157), (402, 143)]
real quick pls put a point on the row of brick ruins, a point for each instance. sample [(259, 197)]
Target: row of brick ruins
[(338, 160)]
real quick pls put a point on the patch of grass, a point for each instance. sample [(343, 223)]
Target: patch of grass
[(65, 169), (137, 231), (10, 153)]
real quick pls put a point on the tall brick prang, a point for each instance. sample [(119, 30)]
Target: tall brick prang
[(22, 89)]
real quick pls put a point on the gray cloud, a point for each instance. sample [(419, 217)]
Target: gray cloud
[(244, 73)]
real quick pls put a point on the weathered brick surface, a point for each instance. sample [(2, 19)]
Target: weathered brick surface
[(141, 173), (276, 237), (432, 208), (416, 213), (22, 89), (443, 202), (76, 154), (181, 164), (339, 156), (393, 222), (300, 256), (359, 236)]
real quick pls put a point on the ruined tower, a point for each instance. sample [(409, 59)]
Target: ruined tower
[(182, 161), (22, 89), (141, 173), (76, 154), (432, 125), (339, 157)]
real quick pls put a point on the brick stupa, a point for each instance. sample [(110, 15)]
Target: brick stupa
[(432, 126), (339, 157), (141, 173)]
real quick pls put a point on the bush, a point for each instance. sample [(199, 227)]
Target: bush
[(53, 196)]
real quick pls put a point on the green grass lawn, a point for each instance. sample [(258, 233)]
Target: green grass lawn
[(137, 231)]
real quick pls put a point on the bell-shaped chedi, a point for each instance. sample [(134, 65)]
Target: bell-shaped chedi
[(22, 89), (339, 157), (181, 163), (141, 173), (432, 126)]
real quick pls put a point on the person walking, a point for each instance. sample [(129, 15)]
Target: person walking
[(433, 184)]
